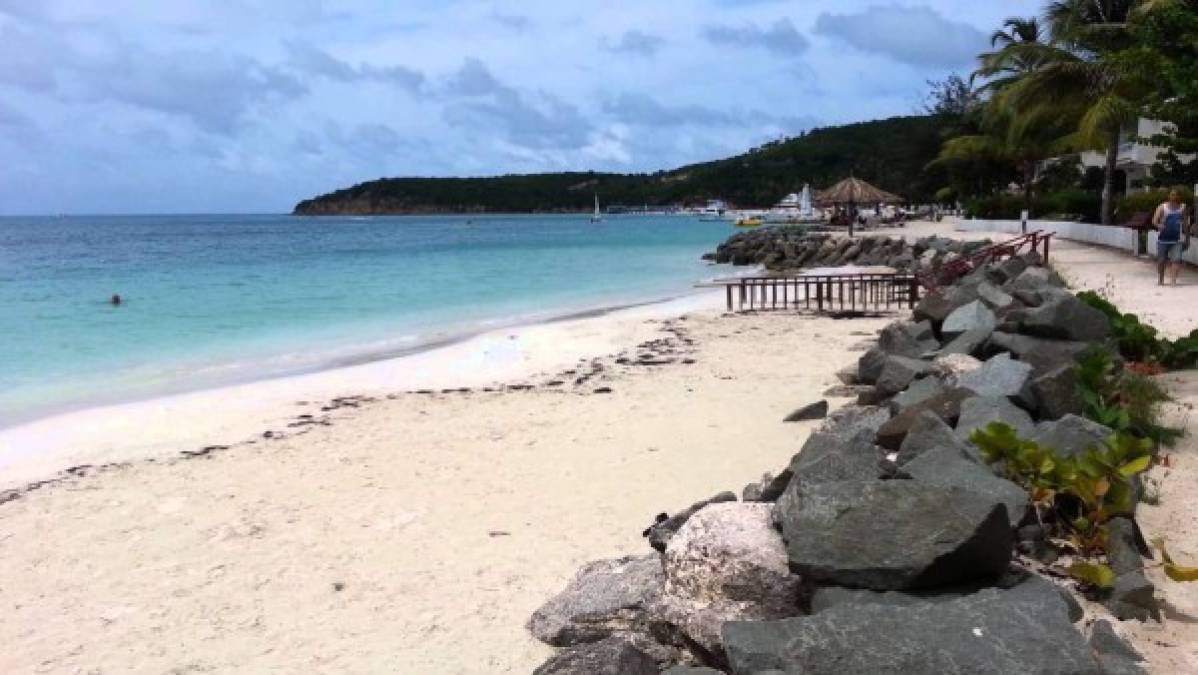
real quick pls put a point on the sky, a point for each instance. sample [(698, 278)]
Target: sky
[(248, 106)]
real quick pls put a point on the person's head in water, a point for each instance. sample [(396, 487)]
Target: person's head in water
[(116, 299)]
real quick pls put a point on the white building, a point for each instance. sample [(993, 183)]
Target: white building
[(1135, 159)]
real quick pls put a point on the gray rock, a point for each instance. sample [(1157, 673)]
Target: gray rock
[(848, 421), (1133, 597), (606, 597), (948, 467), (659, 533), (978, 413), (1116, 655), (918, 392), (1043, 354), (828, 457), (870, 365), (1000, 376), (727, 563), (847, 376), (1006, 270), (934, 308), (929, 432), (963, 293), (991, 632), (904, 338), (893, 535), (754, 492), (1123, 550), (970, 342), (899, 372), (1034, 279), (1056, 393), (852, 391), (972, 316), (994, 297), (1071, 435), (610, 656), (811, 411), (1067, 318), (946, 406), (1029, 587), (692, 670)]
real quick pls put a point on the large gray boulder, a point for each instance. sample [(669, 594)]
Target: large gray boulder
[(727, 563), (899, 372), (991, 632), (1015, 586), (927, 433), (970, 342), (1071, 435), (1042, 353), (947, 466), (905, 338), (1056, 393), (933, 308), (1034, 279), (828, 458), (980, 412), (918, 392), (870, 365), (610, 656), (849, 421), (659, 532), (1116, 655), (994, 297), (970, 317), (1001, 376), (946, 406), (894, 534), (1066, 318), (606, 597)]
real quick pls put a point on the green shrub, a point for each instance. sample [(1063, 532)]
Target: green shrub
[(1123, 400), (1071, 204), (1136, 202), (1075, 496)]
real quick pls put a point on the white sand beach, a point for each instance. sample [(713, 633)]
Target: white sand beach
[(415, 533), (447, 518)]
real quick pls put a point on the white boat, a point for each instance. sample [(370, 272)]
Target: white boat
[(596, 217)]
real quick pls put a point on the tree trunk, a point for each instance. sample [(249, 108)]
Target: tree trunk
[(1108, 178)]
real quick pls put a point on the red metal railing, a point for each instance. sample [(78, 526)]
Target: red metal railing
[(953, 270)]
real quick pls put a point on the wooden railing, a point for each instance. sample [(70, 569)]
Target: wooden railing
[(950, 272), (853, 293)]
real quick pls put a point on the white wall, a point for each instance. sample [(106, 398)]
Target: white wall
[(1112, 237)]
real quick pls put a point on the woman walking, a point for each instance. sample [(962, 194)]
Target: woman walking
[(1172, 222)]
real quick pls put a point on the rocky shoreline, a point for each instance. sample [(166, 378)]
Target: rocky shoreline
[(888, 544), (788, 248)]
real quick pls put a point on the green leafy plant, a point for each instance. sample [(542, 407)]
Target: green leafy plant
[(1078, 494), (1122, 399)]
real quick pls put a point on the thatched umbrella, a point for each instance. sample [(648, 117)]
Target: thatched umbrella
[(853, 191)]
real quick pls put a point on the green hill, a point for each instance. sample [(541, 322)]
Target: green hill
[(889, 153)]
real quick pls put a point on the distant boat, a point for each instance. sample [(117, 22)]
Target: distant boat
[(596, 217), (752, 221)]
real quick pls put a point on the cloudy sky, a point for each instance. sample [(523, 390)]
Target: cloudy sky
[(250, 105)]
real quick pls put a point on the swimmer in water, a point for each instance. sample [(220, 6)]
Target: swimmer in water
[(116, 300)]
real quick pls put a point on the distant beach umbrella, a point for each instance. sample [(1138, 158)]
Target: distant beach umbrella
[(856, 191)]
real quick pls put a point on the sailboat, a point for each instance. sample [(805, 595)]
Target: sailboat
[(596, 217)]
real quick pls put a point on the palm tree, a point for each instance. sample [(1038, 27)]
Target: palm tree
[(1074, 77)]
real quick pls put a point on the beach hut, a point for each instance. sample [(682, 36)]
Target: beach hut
[(853, 191)]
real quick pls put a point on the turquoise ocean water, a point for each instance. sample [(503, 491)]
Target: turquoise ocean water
[(211, 300)]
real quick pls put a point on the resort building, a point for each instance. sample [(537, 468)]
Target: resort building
[(1136, 157)]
